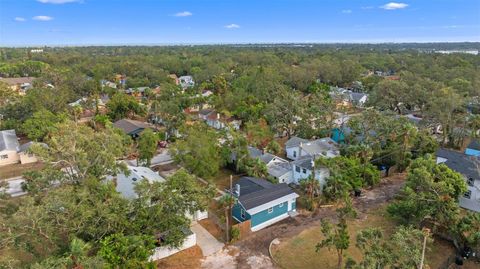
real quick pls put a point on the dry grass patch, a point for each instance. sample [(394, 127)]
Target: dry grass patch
[(299, 251), (185, 259)]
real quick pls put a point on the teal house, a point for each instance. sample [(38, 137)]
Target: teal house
[(473, 149), (262, 203)]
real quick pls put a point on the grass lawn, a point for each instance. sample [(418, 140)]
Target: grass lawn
[(16, 170), (299, 251)]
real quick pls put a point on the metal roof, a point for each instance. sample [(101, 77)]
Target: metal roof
[(8, 140)]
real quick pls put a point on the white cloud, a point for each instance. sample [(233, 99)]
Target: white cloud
[(346, 11), (232, 26), (42, 18), (21, 19), (367, 7), (394, 5), (183, 14), (58, 1)]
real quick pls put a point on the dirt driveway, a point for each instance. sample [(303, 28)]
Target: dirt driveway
[(255, 247)]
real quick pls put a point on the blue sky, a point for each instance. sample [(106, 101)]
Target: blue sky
[(109, 22)]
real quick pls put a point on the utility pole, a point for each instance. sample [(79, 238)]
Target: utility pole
[(426, 233)]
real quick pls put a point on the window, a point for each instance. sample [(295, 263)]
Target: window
[(270, 210), (304, 171), (294, 154), (297, 168), (2, 157), (280, 205), (468, 194), (242, 213), (470, 182)]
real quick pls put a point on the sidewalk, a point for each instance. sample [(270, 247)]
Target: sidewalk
[(209, 244)]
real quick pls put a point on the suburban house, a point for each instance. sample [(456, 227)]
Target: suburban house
[(125, 185), (473, 149), (304, 152), (469, 167), (109, 84), (297, 147), (20, 85), (303, 168), (217, 121), (132, 128), (11, 152), (137, 92), (262, 203), (348, 98), (186, 82)]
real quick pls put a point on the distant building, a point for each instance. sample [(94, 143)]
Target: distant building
[(186, 82), (218, 121), (20, 85), (262, 203)]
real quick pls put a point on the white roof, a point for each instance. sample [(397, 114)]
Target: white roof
[(126, 184), (8, 140)]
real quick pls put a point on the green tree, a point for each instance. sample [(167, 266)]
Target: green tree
[(41, 124), (337, 237), (284, 112), (347, 174), (430, 194), (124, 106), (121, 251), (80, 152), (147, 146), (256, 168), (198, 151)]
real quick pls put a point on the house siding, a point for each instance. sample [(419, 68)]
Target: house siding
[(472, 152), (321, 175), (237, 212), (264, 216)]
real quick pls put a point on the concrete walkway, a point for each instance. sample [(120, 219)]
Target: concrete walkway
[(209, 244)]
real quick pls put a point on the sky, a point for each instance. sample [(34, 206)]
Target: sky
[(150, 22)]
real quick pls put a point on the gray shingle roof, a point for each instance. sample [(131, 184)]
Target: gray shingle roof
[(279, 169), (256, 192), (130, 126), (294, 141), (460, 162), (8, 140)]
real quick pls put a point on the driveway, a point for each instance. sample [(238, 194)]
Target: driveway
[(209, 244)]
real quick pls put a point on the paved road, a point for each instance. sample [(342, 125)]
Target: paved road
[(162, 158), (14, 187), (209, 244)]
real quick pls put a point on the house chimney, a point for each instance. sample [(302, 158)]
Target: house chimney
[(300, 149), (237, 189), (218, 116)]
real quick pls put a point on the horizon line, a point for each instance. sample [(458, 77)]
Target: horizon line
[(161, 44)]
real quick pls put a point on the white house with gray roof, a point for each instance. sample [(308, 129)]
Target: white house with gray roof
[(469, 167), (303, 153)]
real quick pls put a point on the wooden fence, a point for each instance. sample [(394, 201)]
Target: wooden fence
[(244, 228)]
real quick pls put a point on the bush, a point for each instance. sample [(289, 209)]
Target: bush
[(234, 234)]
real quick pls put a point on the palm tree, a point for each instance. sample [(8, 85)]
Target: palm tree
[(256, 168)]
